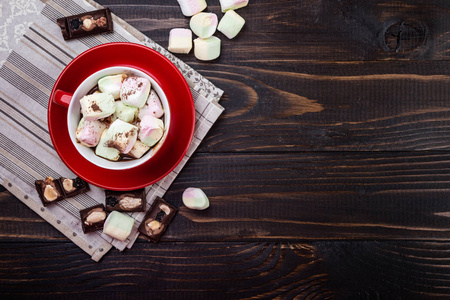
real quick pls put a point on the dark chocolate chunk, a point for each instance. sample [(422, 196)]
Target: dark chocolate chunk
[(49, 190), (88, 23), (73, 187), (125, 200), (157, 219), (93, 218)]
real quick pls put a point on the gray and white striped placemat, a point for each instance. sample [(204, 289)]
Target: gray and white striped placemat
[(26, 151)]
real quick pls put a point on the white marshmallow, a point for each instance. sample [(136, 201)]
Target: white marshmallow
[(121, 135), (139, 149), (191, 7), (195, 198), (134, 91), (153, 107), (204, 24), (151, 130), (88, 133), (106, 152), (111, 84), (231, 24), (232, 4), (97, 106), (180, 40), (207, 49)]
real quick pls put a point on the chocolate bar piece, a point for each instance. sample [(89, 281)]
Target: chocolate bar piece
[(49, 190), (157, 219), (125, 200), (73, 187), (88, 23), (93, 218)]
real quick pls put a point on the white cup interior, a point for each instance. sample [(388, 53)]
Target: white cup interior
[(74, 116)]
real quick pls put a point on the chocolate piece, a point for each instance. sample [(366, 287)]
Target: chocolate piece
[(125, 200), (93, 218), (157, 219), (49, 190), (88, 23), (73, 187)]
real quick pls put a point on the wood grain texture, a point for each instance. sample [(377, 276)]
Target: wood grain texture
[(265, 270), (283, 197)]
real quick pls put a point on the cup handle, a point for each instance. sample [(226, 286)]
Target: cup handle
[(62, 98)]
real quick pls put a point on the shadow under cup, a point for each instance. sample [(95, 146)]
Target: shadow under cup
[(74, 116)]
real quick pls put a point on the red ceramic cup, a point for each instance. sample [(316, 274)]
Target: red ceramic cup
[(176, 97)]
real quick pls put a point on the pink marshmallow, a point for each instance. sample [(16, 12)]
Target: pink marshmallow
[(134, 91), (153, 107), (88, 133)]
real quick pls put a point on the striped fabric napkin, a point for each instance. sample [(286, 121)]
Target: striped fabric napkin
[(26, 151)]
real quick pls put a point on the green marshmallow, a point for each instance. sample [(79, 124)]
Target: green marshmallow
[(125, 113), (118, 225), (231, 24)]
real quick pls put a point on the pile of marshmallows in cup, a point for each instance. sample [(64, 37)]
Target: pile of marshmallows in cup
[(203, 24)]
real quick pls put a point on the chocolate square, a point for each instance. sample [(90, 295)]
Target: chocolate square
[(157, 219), (49, 190), (73, 187), (93, 223), (88, 23), (127, 201)]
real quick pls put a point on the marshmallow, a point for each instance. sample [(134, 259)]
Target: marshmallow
[(232, 4), (195, 198), (139, 149), (97, 106), (121, 135), (106, 152), (191, 7), (125, 113), (153, 107), (118, 225), (88, 133), (207, 49), (134, 91), (111, 84), (180, 40), (204, 24), (231, 24), (151, 130)]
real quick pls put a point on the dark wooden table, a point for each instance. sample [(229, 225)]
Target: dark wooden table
[(328, 173)]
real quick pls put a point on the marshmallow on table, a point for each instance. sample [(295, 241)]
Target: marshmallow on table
[(118, 225), (191, 7), (232, 4), (134, 91), (195, 198), (204, 24), (231, 24), (121, 135), (125, 113), (111, 84), (207, 49), (88, 133), (97, 106), (104, 151), (151, 130), (139, 149), (153, 107), (180, 40)]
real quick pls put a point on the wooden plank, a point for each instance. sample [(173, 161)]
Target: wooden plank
[(364, 195), (312, 30), (320, 270)]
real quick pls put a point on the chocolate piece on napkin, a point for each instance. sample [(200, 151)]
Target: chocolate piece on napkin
[(157, 219), (73, 187), (93, 218), (125, 200), (88, 23), (49, 190)]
